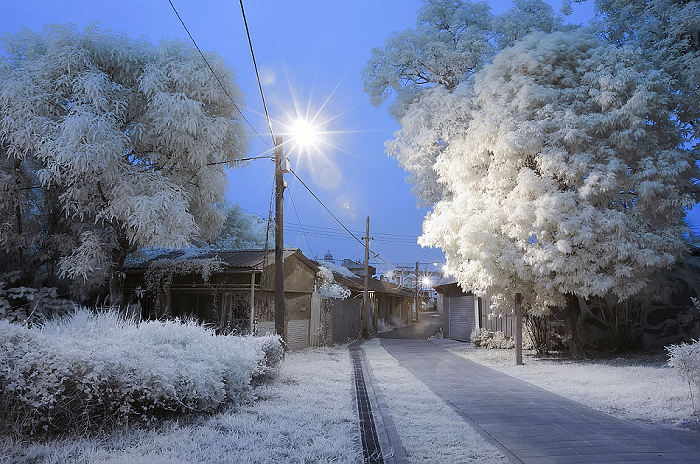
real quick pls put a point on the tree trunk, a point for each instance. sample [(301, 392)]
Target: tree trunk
[(571, 315), (117, 276), (18, 218), (116, 289)]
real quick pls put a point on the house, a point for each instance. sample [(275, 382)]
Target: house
[(228, 289), (358, 268), (462, 312), (389, 302)]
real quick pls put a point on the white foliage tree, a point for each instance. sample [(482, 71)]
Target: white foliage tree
[(241, 230), (452, 39), (137, 135), (668, 32), (564, 171)]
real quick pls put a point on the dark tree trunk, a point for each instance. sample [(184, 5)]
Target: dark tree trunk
[(117, 276), (571, 315), (116, 289), (18, 218)]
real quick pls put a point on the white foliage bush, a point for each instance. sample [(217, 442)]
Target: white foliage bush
[(328, 287), (91, 370), (685, 359), (487, 339)]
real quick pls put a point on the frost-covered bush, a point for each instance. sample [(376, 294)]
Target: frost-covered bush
[(327, 286), (685, 359), (487, 339), (18, 304), (91, 370)]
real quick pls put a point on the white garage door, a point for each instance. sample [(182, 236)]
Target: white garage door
[(461, 317)]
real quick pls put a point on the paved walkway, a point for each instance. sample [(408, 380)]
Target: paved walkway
[(532, 425)]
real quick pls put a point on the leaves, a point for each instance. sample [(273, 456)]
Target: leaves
[(560, 170), (137, 136)]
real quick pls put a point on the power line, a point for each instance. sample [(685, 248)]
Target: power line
[(335, 233), (269, 123), (255, 65), (214, 73), (375, 255), (294, 207), (326, 208)]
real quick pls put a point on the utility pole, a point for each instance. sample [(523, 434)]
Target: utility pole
[(279, 239), (518, 330), (417, 291), (367, 310)]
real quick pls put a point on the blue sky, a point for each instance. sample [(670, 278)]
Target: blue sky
[(310, 54)]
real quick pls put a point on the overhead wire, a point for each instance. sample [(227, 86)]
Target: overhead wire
[(294, 207), (375, 255), (335, 233), (257, 74), (214, 73), (269, 123), (326, 208)]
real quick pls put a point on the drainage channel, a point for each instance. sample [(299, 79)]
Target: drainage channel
[(368, 431)]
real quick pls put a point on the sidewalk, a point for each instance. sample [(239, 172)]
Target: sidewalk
[(532, 425)]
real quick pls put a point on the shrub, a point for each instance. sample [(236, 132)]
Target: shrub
[(487, 339), (538, 333), (685, 359), (90, 370), (21, 304)]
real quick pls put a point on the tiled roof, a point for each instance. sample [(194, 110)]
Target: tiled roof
[(237, 259), (373, 285)]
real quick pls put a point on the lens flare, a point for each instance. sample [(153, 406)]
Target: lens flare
[(304, 133)]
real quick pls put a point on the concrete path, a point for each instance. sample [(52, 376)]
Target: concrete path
[(532, 425), (429, 324)]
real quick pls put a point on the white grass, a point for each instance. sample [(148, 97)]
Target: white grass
[(306, 415), (384, 326), (647, 392), (430, 431)]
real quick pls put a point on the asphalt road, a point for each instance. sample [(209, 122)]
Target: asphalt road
[(429, 323)]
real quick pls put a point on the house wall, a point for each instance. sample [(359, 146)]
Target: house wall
[(299, 285), (225, 299), (392, 308), (444, 308), (462, 320), (342, 320)]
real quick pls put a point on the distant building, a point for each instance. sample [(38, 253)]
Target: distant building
[(462, 312), (358, 268)]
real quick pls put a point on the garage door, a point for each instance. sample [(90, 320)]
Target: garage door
[(461, 317)]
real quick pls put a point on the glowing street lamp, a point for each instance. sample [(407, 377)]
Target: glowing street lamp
[(304, 133)]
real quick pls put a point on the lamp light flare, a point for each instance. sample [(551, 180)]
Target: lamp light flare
[(304, 133)]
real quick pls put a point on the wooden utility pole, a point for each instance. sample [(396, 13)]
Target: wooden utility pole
[(518, 330), (417, 291), (252, 303), (366, 307), (279, 240)]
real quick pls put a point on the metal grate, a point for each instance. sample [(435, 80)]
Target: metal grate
[(368, 432)]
